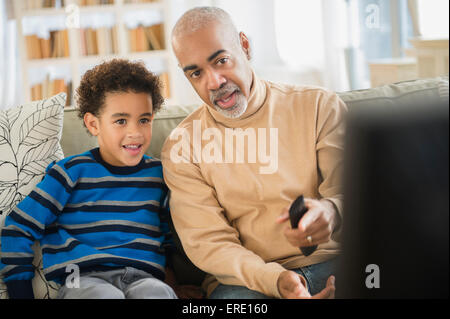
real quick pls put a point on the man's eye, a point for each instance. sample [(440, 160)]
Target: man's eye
[(121, 121), (195, 74), (222, 61)]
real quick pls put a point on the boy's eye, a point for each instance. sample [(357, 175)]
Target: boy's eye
[(121, 121), (145, 121)]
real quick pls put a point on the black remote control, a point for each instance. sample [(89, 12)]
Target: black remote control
[(296, 212)]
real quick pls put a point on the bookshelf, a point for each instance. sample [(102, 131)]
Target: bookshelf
[(59, 40)]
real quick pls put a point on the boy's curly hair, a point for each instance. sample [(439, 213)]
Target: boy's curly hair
[(115, 76)]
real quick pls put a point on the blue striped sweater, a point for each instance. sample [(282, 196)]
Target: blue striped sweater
[(89, 213)]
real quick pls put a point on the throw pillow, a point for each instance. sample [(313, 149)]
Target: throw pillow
[(29, 142)]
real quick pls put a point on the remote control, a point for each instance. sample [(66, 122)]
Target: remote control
[(296, 212)]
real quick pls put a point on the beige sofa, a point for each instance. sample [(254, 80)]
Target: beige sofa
[(75, 140)]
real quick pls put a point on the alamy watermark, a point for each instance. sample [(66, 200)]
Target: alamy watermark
[(230, 146), (73, 279), (373, 279), (73, 16), (373, 16)]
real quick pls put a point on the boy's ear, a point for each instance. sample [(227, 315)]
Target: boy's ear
[(92, 123)]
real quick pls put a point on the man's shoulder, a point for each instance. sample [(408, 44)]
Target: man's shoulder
[(300, 90), (196, 115)]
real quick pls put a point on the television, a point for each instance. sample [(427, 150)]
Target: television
[(395, 236)]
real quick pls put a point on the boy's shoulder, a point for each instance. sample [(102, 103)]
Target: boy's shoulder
[(70, 161), (148, 159), (152, 163)]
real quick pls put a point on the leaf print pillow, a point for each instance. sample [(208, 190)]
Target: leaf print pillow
[(29, 142)]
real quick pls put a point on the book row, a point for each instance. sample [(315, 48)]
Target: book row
[(146, 38), (39, 4), (101, 41), (48, 88), (55, 46)]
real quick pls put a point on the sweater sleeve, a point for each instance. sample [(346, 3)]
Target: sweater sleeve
[(208, 239), (330, 130), (25, 224)]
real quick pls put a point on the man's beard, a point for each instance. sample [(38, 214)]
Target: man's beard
[(237, 109)]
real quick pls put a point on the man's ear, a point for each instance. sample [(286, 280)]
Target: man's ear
[(92, 123), (245, 44)]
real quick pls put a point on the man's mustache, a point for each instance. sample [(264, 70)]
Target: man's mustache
[(225, 89)]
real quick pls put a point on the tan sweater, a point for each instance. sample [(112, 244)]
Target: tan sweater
[(224, 208)]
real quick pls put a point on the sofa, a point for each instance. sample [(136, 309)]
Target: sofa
[(75, 139)]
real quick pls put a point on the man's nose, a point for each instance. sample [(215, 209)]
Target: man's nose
[(215, 80)]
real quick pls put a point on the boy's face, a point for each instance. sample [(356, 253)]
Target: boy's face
[(123, 127)]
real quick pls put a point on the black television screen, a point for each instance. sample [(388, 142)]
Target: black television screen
[(395, 230)]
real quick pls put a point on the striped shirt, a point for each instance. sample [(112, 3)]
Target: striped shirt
[(89, 213)]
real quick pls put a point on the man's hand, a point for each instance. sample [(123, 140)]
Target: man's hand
[(293, 286), (317, 224)]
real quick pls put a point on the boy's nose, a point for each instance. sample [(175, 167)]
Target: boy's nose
[(134, 132)]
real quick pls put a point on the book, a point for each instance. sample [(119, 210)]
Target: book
[(142, 43), (132, 39), (115, 44), (46, 48), (152, 38), (83, 47), (65, 43), (101, 41), (158, 30), (164, 77)]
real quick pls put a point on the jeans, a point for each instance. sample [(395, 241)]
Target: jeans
[(125, 283), (316, 276)]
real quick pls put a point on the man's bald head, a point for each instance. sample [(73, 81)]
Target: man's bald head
[(201, 17), (215, 59)]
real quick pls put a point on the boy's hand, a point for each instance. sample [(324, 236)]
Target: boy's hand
[(293, 286)]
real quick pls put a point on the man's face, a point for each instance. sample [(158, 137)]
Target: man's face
[(217, 67)]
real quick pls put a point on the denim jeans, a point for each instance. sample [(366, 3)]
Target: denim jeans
[(125, 283), (316, 276)]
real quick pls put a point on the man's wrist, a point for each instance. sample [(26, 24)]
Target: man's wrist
[(336, 217)]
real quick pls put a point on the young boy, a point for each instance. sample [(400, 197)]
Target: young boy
[(100, 212)]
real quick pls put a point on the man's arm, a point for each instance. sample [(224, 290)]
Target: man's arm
[(330, 136), (324, 217), (208, 239)]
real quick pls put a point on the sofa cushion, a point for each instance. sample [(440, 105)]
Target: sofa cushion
[(398, 92), (76, 139), (29, 141), (165, 121)]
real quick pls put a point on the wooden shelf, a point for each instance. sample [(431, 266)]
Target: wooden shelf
[(76, 61)]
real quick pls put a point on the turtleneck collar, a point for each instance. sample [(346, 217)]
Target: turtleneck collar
[(256, 100)]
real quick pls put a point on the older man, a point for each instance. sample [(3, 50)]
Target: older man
[(235, 165)]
